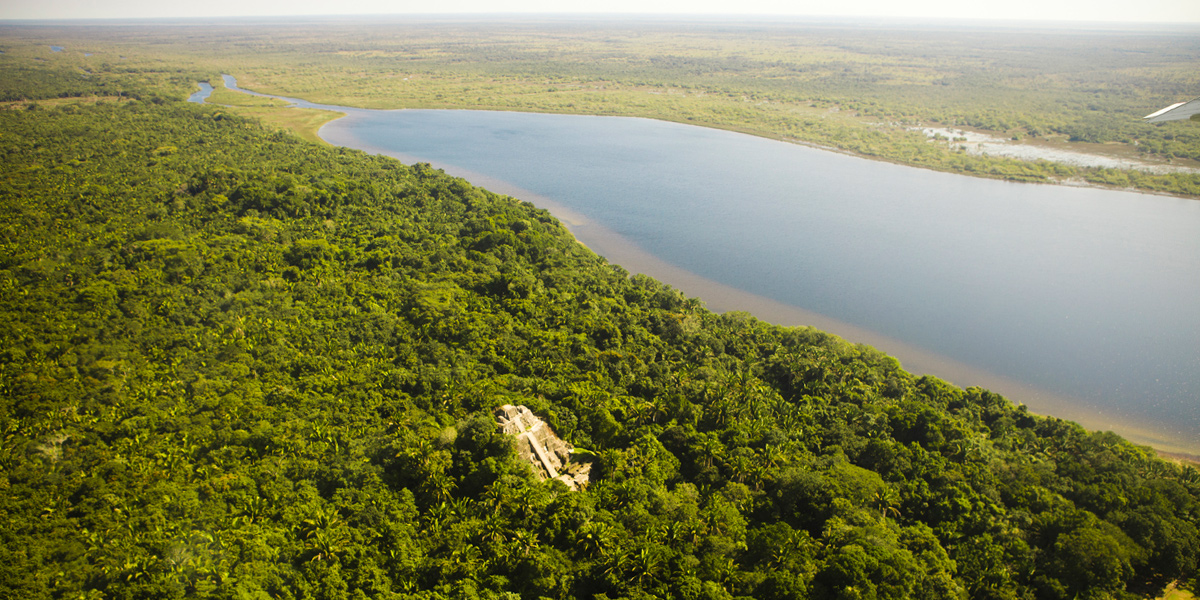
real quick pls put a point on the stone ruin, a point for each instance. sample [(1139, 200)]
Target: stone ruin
[(549, 456)]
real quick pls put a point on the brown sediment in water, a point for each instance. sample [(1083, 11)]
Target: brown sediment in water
[(719, 297)]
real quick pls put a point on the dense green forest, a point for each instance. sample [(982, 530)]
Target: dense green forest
[(236, 364)]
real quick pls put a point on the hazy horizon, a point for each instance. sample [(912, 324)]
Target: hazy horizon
[(1148, 11)]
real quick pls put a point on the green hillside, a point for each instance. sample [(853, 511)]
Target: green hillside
[(235, 364)]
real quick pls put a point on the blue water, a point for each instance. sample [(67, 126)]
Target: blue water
[(202, 95), (1091, 294)]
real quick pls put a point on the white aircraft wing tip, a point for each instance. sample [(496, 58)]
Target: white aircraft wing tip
[(1176, 112), (1163, 110)]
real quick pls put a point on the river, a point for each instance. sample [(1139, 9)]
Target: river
[(1078, 302), (201, 96)]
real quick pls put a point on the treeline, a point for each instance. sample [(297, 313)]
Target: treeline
[(861, 89), (30, 71), (1060, 85), (237, 365)]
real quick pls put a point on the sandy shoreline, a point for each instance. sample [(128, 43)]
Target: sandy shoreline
[(722, 298)]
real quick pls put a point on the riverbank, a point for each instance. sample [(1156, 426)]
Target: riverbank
[(723, 298), (852, 86), (1019, 162), (304, 122), (1025, 152), (1077, 155), (838, 127)]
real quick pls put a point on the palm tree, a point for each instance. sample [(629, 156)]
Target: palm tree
[(467, 559), (887, 501), (595, 537), (325, 544), (741, 464), (616, 562), (772, 456), (645, 565), (494, 531), (525, 542), (439, 486), (711, 447)]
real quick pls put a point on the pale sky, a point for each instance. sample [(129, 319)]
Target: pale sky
[(1163, 11)]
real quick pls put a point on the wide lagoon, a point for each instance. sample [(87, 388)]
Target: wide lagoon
[(1080, 302)]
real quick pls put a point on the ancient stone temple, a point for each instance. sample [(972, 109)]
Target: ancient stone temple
[(536, 443)]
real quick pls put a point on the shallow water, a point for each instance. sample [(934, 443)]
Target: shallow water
[(981, 143), (1079, 302), (206, 90)]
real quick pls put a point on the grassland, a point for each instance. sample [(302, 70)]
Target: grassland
[(304, 122), (858, 88)]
